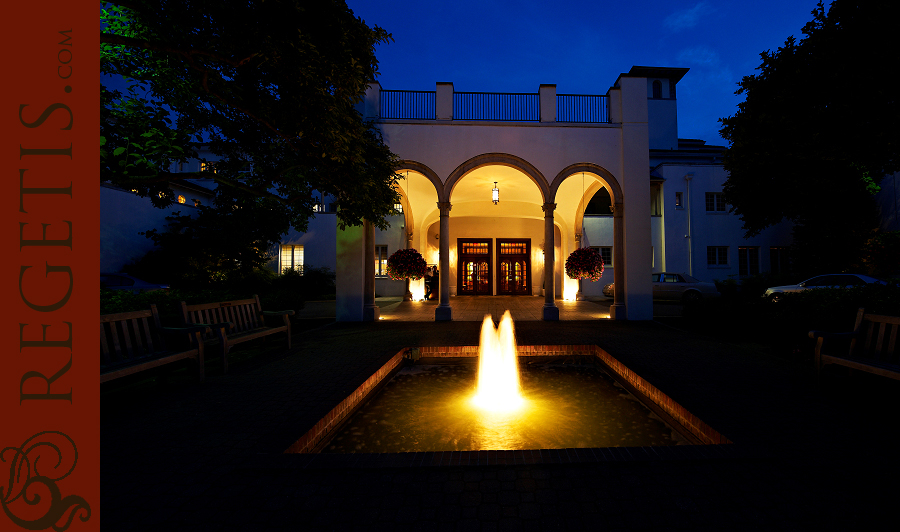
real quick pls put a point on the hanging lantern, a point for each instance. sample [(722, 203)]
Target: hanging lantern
[(495, 194)]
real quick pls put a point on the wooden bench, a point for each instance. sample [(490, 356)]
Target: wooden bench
[(233, 322), (131, 342), (873, 346)]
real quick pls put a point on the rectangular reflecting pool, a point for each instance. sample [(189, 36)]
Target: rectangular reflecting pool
[(576, 397)]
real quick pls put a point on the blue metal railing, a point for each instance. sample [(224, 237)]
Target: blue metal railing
[(496, 106), (509, 107), (581, 108), (407, 104)]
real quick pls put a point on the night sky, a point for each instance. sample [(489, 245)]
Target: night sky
[(582, 47)]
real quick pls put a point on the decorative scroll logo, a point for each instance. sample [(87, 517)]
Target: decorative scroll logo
[(32, 479)]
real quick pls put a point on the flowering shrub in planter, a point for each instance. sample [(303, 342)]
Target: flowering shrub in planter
[(406, 263), (585, 263)]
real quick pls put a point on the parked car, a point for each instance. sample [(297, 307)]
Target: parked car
[(834, 280), (123, 281), (675, 287)]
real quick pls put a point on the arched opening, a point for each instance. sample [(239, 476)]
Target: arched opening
[(573, 189), (420, 190), (494, 247)]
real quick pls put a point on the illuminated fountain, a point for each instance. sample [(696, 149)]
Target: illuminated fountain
[(498, 389)]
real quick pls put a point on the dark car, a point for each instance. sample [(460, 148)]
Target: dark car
[(675, 287), (123, 281), (832, 280)]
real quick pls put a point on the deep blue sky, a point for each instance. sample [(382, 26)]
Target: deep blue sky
[(582, 46)]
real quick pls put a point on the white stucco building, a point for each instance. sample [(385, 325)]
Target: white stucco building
[(548, 154)]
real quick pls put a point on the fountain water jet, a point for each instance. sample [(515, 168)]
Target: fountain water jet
[(498, 389)]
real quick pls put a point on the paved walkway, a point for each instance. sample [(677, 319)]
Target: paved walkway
[(183, 456), (474, 308)]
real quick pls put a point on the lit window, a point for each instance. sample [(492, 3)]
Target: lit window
[(679, 200), (292, 257), (717, 255), (715, 202), (181, 199), (207, 167), (196, 203), (381, 258), (748, 261)]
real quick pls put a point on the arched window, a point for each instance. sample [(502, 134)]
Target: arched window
[(657, 89), (600, 204)]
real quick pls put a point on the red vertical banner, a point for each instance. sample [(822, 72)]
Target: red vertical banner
[(49, 367)]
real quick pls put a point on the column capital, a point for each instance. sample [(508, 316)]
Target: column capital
[(444, 206), (548, 209)]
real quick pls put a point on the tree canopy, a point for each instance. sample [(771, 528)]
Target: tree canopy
[(265, 85), (817, 131)]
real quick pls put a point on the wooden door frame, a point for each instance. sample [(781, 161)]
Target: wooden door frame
[(460, 259), (528, 274)]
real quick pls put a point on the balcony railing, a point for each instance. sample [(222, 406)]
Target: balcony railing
[(581, 108), (417, 105), (502, 107), (496, 106)]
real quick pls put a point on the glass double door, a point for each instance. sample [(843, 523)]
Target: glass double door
[(514, 267), (475, 275)]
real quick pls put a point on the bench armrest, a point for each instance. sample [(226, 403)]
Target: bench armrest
[(278, 313), (822, 334)]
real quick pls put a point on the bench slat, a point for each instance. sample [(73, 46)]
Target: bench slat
[(892, 345), (879, 344), (114, 333), (150, 347), (104, 347)]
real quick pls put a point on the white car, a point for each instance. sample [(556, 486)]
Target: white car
[(675, 287), (835, 280)]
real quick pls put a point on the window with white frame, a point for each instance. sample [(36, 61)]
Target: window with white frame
[(748, 261), (605, 254), (717, 255), (381, 258), (715, 202), (291, 257)]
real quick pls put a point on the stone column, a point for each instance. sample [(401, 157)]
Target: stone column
[(370, 309), (617, 310), (408, 295), (551, 312), (578, 295), (443, 312)]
